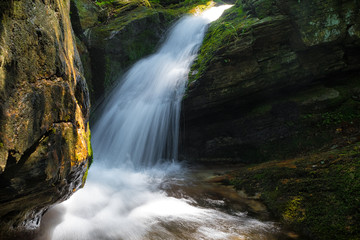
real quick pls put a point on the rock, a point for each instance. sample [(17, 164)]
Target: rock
[(273, 76), (86, 13), (297, 191), (116, 45), (44, 111)]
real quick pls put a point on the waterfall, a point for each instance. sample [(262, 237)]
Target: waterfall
[(140, 122), (131, 192)]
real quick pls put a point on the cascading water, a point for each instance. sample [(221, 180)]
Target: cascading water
[(140, 121), (130, 189)]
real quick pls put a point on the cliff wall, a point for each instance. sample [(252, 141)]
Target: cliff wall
[(274, 79), (44, 111)]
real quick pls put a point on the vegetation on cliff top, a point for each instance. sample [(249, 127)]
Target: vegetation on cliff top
[(176, 7)]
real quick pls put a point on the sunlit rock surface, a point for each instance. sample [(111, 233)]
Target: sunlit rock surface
[(44, 109), (274, 78)]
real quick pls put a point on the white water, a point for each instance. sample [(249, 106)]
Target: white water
[(135, 148), (139, 127)]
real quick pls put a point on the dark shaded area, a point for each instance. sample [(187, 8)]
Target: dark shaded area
[(13, 167), (278, 127), (5, 7), (75, 20), (97, 56), (264, 92)]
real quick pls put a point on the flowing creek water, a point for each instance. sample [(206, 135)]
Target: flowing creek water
[(136, 189)]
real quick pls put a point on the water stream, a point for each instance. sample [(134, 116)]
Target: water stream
[(136, 189)]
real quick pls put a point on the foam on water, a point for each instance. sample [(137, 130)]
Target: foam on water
[(131, 205)]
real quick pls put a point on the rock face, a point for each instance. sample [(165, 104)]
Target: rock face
[(274, 77), (44, 110)]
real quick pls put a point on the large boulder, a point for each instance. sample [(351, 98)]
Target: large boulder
[(273, 78), (44, 111)]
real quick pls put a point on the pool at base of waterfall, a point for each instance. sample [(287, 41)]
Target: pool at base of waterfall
[(168, 201)]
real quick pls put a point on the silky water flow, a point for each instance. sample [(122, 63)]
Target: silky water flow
[(127, 194)]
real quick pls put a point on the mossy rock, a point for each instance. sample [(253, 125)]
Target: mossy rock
[(316, 194)]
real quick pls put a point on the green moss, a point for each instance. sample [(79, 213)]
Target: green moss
[(221, 32), (84, 178), (263, 8), (347, 113), (90, 155), (294, 211), (89, 147), (317, 194), (101, 3)]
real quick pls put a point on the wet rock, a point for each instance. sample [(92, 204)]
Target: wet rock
[(44, 103), (298, 191), (269, 75)]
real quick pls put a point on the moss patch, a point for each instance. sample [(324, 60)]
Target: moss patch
[(226, 29), (317, 194), (89, 146)]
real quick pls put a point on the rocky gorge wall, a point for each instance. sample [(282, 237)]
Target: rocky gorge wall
[(280, 80), (44, 110), (274, 79)]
